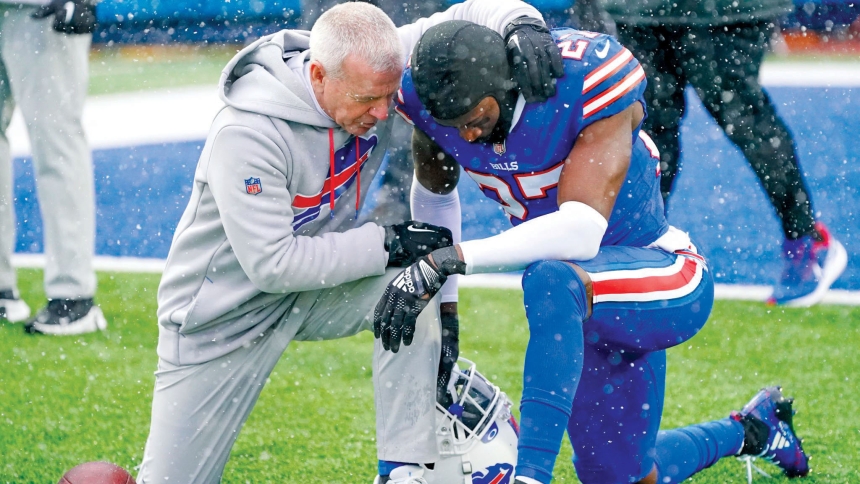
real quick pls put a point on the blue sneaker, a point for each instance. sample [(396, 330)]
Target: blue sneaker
[(811, 267), (769, 433)]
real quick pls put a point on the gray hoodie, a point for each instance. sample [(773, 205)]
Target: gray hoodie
[(260, 226)]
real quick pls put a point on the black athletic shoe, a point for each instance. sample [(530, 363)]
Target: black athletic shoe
[(12, 308), (67, 317)]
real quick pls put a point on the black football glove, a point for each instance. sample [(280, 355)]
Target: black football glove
[(409, 293), (450, 353), (535, 58), (70, 16), (403, 300), (408, 241)]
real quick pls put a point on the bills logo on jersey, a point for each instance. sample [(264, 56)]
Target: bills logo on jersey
[(253, 186), (346, 166), (495, 474)]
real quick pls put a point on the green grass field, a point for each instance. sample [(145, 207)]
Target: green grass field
[(66, 400)]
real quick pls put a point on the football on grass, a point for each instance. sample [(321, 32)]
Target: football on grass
[(97, 473)]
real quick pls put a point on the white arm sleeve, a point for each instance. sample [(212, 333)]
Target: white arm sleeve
[(573, 232), (493, 14), (443, 210)]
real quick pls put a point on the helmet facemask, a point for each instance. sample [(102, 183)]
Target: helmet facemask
[(477, 403)]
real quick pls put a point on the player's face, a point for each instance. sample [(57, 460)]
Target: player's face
[(477, 124), (357, 100)]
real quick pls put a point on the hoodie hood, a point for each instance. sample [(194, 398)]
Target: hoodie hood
[(258, 80)]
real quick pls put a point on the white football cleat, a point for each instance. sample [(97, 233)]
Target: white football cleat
[(13, 308), (62, 317)]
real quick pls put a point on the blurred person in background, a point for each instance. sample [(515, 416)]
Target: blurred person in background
[(718, 47), (579, 14), (44, 55)]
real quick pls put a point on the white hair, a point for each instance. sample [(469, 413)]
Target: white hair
[(356, 28)]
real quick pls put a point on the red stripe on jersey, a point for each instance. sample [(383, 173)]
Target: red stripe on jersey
[(614, 93), (606, 70), (669, 282)]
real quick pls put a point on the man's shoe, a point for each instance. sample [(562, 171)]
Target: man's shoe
[(769, 433), (407, 474), (12, 308), (68, 317), (811, 267)]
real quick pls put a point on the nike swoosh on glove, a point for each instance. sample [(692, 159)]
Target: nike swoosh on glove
[(408, 241), (403, 300)]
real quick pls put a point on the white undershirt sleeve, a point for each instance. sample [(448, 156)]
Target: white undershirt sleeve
[(573, 232), (442, 210), (494, 14)]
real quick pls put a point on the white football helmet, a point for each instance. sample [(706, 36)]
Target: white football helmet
[(477, 435)]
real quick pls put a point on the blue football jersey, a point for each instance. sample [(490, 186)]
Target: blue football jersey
[(601, 79)]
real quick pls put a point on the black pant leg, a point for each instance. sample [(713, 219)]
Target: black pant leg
[(725, 72), (656, 49)]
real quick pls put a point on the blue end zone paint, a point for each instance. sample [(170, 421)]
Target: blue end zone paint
[(142, 191)]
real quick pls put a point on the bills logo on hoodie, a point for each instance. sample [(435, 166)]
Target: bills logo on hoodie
[(495, 474), (307, 207)]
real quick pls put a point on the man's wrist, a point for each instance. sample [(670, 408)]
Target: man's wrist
[(448, 260)]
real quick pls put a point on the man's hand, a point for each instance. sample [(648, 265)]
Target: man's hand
[(450, 352), (535, 58), (404, 299), (70, 16), (409, 241)]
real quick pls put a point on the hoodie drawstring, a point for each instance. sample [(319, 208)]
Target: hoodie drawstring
[(357, 177), (331, 184), (331, 177)]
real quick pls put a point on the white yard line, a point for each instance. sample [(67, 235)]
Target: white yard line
[(739, 292), (184, 114)]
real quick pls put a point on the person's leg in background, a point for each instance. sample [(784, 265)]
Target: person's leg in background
[(733, 55), (12, 308), (590, 15), (48, 72), (656, 48)]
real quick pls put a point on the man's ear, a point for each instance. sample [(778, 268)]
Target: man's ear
[(318, 74)]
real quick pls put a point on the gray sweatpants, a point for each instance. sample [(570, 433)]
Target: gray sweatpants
[(45, 73), (198, 410)]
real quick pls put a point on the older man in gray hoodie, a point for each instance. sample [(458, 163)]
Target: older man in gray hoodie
[(268, 249)]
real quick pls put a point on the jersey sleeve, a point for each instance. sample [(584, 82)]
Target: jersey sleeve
[(612, 79)]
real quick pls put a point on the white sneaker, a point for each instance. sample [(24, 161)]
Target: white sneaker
[(68, 317), (12, 308), (403, 475)]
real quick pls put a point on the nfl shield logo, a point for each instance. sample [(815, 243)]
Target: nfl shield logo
[(499, 148), (253, 186)]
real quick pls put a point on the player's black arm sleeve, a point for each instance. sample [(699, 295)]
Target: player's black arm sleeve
[(436, 170)]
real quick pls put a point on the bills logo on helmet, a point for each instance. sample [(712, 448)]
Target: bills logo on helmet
[(496, 474)]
